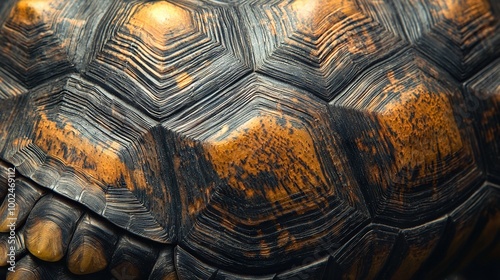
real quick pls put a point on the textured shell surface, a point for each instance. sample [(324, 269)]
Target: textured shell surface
[(290, 139)]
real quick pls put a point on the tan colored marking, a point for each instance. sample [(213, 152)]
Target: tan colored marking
[(7, 216), (264, 145), (283, 238), (183, 80), (196, 206), (30, 12), (87, 258), (265, 249), (160, 18), (250, 254), (391, 77), (44, 240)]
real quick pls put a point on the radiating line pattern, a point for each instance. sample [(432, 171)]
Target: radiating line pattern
[(43, 39), (162, 56), (81, 142), (319, 45), (458, 35)]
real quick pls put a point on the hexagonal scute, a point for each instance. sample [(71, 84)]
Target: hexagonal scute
[(318, 45), (162, 56), (458, 35), (41, 39), (414, 154), (483, 102), (278, 190), (73, 137)]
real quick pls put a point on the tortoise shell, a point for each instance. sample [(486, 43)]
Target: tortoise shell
[(302, 139)]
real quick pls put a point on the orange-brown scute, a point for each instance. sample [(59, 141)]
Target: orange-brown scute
[(278, 148), (100, 160), (421, 127)]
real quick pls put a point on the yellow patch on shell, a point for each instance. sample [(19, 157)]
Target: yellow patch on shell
[(43, 240), (22, 274), (160, 18), (183, 80), (317, 16), (30, 12)]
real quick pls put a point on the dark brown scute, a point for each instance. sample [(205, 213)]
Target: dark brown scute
[(133, 258), (482, 97), (164, 267)]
